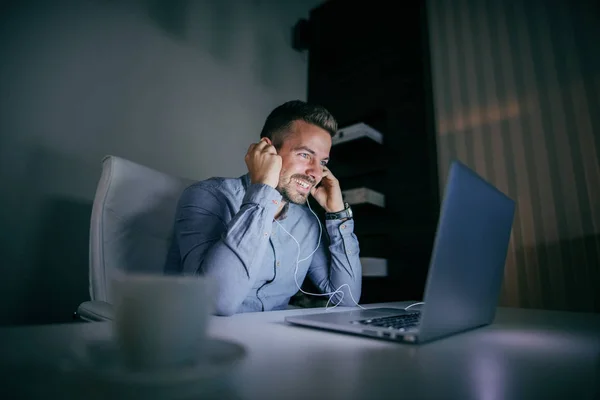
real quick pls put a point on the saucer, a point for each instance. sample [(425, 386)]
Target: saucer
[(100, 370)]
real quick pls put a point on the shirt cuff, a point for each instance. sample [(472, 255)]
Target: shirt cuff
[(263, 195), (340, 227)]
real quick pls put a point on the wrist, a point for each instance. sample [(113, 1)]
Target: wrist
[(337, 208), (344, 214)]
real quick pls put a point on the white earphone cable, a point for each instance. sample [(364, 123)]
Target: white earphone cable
[(298, 260)]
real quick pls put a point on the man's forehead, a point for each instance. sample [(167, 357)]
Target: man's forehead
[(309, 142)]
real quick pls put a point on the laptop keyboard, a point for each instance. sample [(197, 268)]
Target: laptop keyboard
[(397, 322)]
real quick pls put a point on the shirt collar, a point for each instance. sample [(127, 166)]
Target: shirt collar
[(284, 211)]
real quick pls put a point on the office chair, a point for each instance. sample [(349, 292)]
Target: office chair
[(130, 228)]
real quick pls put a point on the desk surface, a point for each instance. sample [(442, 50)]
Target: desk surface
[(525, 354)]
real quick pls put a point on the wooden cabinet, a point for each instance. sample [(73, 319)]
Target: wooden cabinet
[(369, 63)]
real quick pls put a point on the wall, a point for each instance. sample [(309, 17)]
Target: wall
[(181, 86), (517, 94)]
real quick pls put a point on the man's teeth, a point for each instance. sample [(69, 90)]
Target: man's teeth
[(302, 183)]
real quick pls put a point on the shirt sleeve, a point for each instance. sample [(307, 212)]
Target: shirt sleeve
[(336, 265), (229, 252)]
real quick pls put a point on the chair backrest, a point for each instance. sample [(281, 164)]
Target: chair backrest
[(131, 223)]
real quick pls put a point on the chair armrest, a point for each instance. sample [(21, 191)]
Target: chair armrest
[(95, 311)]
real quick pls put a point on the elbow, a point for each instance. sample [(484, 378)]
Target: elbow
[(224, 301), (224, 311), (225, 307), (228, 292)]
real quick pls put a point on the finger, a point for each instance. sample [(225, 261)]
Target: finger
[(269, 149), (267, 146), (328, 174), (260, 145)]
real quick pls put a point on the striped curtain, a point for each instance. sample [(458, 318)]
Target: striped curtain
[(517, 98)]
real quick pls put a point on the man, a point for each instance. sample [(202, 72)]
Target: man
[(256, 236)]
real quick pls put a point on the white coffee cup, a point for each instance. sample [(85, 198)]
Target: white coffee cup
[(161, 321)]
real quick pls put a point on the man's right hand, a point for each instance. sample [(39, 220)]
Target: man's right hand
[(263, 162)]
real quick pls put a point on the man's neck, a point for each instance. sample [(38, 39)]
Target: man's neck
[(282, 206)]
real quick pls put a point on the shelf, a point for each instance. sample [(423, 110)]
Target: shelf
[(374, 266), (356, 132), (363, 196), (355, 145)]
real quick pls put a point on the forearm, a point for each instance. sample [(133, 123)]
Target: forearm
[(343, 269)]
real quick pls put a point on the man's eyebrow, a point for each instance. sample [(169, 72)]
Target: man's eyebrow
[(307, 149)]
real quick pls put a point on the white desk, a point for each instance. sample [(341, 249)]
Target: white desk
[(525, 354)]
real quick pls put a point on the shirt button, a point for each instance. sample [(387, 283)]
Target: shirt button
[(278, 263), (266, 234), (343, 226)]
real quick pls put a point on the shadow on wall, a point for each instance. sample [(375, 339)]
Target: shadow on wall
[(59, 274), (169, 16), (220, 33), (45, 211), (569, 275)]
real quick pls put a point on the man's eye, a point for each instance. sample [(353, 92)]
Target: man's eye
[(304, 155), (324, 163)]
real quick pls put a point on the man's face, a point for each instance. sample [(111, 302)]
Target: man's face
[(304, 152)]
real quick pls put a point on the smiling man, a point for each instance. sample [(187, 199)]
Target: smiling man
[(256, 235)]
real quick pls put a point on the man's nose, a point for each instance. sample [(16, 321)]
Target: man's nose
[(315, 171)]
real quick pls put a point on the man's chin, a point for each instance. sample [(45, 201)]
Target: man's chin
[(296, 198)]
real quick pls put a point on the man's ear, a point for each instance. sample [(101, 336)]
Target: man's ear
[(269, 141)]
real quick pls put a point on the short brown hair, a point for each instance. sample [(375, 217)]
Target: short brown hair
[(279, 121)]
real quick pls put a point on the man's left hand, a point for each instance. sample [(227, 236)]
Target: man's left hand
[(328, 193)]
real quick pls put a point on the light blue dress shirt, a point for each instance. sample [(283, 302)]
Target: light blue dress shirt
[(225, 229)]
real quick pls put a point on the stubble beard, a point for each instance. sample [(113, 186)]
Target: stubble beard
[(289, 193)]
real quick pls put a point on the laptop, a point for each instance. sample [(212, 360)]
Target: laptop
[(465, 272)]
